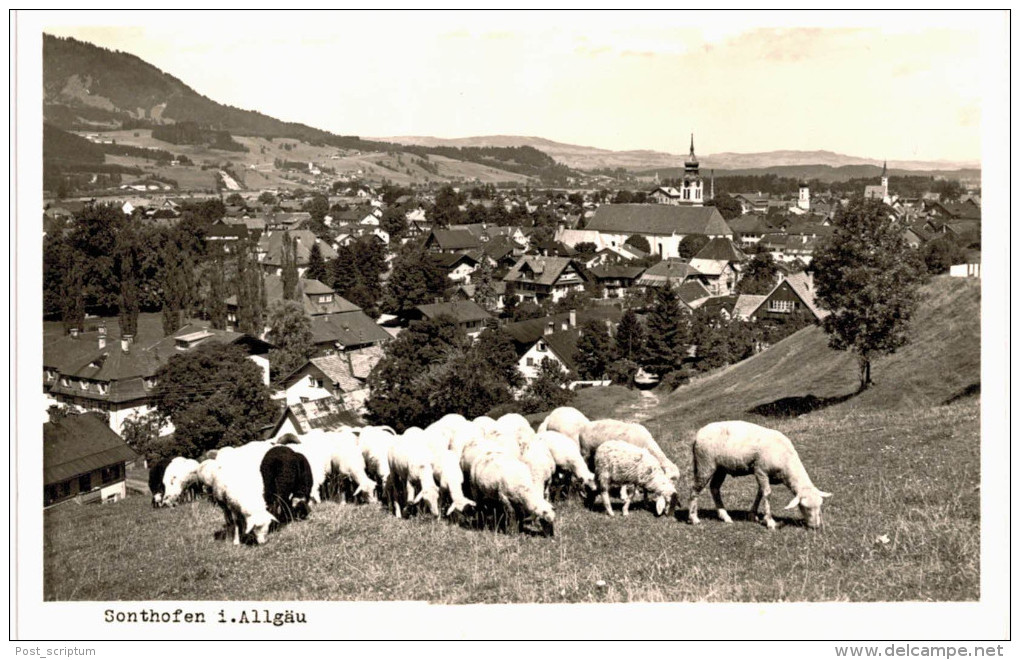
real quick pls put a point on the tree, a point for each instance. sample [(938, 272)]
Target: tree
[(446, 211), (317, 207), (759, 275), (177, 279), (416, 280), (941, 253), (868, 277), (235, 199), (290, 331), (94, 241), (248, 285), (668, 333), (343, 271), (289, 270), (595, 350), (630, 336), (394, 222), (640, 242), (549, 389), (691, 244), (267, 199), (214, 396), (474, 381), (316, 265), (485, 286), (216, 299), (729, 207), (141, 433), (586, 249)]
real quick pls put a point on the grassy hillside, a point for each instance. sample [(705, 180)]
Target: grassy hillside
[(894, 529)]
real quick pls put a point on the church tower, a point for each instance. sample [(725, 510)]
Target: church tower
[(804, 199), (693, 190), (885, 181)]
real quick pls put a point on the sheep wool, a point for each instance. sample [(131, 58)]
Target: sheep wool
[(619, 463)]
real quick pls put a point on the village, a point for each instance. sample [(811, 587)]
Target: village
[(338, 270)]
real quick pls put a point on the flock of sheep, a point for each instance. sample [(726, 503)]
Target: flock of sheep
[(498, 472)]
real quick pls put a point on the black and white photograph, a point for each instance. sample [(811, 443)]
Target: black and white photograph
[(653, 324)]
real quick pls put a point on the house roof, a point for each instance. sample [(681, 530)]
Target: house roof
[(748, 224), (337, 369), (720, 249), (667, 270), (801, 285), (272, 245), (546, 270), (564, 345), (962, 210), (659, 219), (616, 271), (499, 247), (363, 360), (454, 239), (745, 305), (525, 333), (462, 311), (450, 260), (691, 292), (79, 444), (353, 328), (305, 291)]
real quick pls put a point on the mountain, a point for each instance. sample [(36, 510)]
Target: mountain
[(588, 158), (824, 173)]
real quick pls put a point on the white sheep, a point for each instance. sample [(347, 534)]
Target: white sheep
[(740, 448), (348, 463), (536, 454), (320, 459), (567, 456), (448, 474), (501, 480), (622, 464), (484, 423), (411, 477), (568, 421), (178, 477), (595, 433), (238, 488), (513, 426), (455, 430), (375, 444)]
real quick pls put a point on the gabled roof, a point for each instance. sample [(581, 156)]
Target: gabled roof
[(674, 270), (745, 305), (363, 360), (336, 368), (450, 260), (691, 292), (272, 245), (79, 444), (454, 239), (564, 345), (354, 328), (800, 283), (499, 247), (720, 249), (525, 333), (462, 311), (748, 224), (659, 219), (616, 271), (546, 270)]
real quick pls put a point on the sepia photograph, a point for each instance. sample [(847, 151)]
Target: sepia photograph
[(374, 313)]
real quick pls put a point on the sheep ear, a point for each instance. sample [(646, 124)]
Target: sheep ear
[(660, 506), (417, 498), (824, 494), (451, 509), (468, 503), (794, 502), (249, 525), (358, 491)]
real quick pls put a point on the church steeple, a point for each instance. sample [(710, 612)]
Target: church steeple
[(692, 161), (692, 192), (885, 180)]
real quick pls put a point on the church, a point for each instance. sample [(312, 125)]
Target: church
[(692, 187), (881, 191)]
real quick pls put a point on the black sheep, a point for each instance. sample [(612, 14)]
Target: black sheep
[(156, 486), (287, 480)]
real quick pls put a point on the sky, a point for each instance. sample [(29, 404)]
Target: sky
[(885, 85)]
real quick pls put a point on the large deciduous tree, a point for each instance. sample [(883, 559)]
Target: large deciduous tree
[(759, 276), (867, 276), (691, 244), (290, 331), (416, 279)]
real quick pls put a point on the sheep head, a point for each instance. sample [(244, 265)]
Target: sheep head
[(810, 504), (460, 506), (431, 498), (258, 524)]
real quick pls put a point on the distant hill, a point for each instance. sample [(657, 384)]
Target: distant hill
[(643, 161), (825, 173)]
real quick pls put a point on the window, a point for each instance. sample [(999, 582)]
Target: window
[(103, 388), (64, 382), (84, 483), (531, 362), (782, 306), (541, 347), (326, 298), (110, 474)]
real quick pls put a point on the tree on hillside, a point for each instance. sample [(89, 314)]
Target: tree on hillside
[(868, 277), (729, 207), (630, 336), (214, 396), (759, 275), (394, 222), (290, 331), (667, 337), (316, 265), (640, 242), (941, 253), (595, 350), (691, 244), (416, 280)]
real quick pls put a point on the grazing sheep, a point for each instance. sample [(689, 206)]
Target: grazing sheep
[(320, 458), (513, 426), (411, 480), (179, 479), (480, 446), (567, 456), (238, 489), (595, 433), (485, 424), (375, 444), (622, 464), (287, 483), (348, 464), (740, 448), (156, 486), (455, 430), (448, 474), (568, 421), (501, 480), (538, 457)]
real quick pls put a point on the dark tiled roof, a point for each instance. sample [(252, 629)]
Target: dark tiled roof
[(546, 269), (748, 224), (306, 289), (348, 329), (525, 333), (462, 311), (659, 219), (450, 260), (720, 249), (667, 269), (693, 291), (79, 444), (615, 271), (454, 239), (272, 244)]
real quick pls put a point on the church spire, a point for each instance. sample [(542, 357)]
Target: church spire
[(692, 161), (884, 174)]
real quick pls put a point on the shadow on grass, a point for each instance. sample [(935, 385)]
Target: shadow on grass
[(794, 406), (709, 515), (974, 389)]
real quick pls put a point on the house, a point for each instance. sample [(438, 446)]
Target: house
[(666, 195), (327, 376), (573, 237), (95, 372), (271, 246), (615, 279), (719, 264), (316, 298), (469, 316), (748, 229), (544, 278), (451, 240), (225, 237), (325, 414), (693, 294), (501, 252), (83, 459), (752, 203), (745, 305), (468, 291), (345, 332), (287, 221), (671, 272), (551, 248), (794, 294), (664, 226), (554, 337), (458, 266)]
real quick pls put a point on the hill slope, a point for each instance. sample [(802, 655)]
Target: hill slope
[(801, 373)]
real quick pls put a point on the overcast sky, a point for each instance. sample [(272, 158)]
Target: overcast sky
[(908, 89)]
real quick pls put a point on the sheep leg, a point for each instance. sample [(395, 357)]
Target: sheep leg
[(714, 487), (764, 490), (605, 500), (697, 486), (625, 496)]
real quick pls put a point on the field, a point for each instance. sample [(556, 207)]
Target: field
[(903, 523)]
